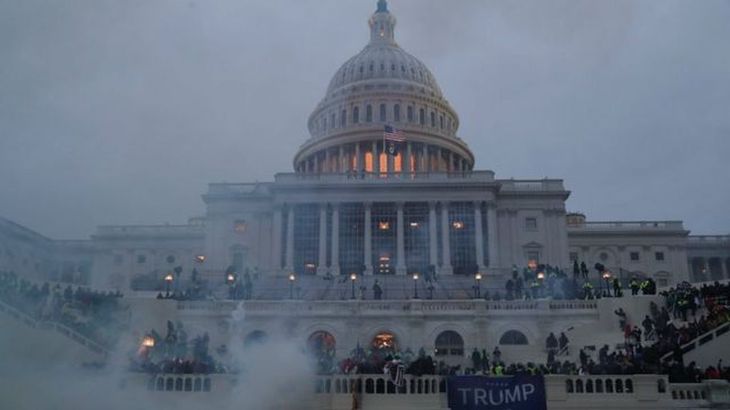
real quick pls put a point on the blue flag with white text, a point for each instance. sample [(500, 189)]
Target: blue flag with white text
[(497, 393)]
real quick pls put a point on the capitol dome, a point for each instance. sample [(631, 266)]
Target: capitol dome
[(381, 86)]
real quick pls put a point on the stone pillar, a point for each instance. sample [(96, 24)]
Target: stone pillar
[(390, 163), (335, 265), (446, 267), (432, 238), (424, 159), (439, 157), (400, 267), (376, 159), (289, 265), (492, 239), (450, 166), (359, 166), (327, 163), (316, 163), (322, 258), (406, 166), (341, 167), (368, 251), (479, 235), (276, 240)]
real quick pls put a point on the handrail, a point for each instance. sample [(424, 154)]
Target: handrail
[(700, 340), (54, 325)]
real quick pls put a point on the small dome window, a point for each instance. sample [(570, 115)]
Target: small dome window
[(369, 113), (356, 115), (382, 67), (372, 67), (513, 337)]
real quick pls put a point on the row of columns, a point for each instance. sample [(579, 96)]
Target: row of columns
[(706, 269), (401, 268), (425, 159)]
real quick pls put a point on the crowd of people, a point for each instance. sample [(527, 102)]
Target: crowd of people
[(99, 316), (174, 353), (543, 281)]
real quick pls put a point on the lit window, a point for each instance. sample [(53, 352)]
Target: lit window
[(384, 341), (239, 226), (531, 224), (659, 256)]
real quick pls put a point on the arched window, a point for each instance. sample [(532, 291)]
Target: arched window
[(382, 112), (441, 119), (356, 115), (513, 337), (321, 343), (384, 341), (332, 120), (343, 118), (369, 113), (433, 119), (410, 113), (255, 338), (422, 116), (449, 343), (396, 113)]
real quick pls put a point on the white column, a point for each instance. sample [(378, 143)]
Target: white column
[(492, 239), (479, 235), (290, 240), (400, 268), (340, 166), (358, 159), (335, 266), (432, 238), (316, 163), (446, 267), (322, 258), (450, 166), (368, 254), (439, 157), (327, 163), (276, 240)]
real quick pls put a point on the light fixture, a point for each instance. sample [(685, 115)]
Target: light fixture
[(415, 276), (541, 275), (200, 258), (292, 277), (169, 278), (383, 225), (413, 224), (478, 276), (353, 277), (148, 341), (231, 278), (458, 224)]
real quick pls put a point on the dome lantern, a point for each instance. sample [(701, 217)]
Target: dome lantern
[(382, 25)]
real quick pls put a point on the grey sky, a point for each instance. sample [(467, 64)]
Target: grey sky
[(120, 112)]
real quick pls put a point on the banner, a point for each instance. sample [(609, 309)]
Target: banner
[(497, 393)]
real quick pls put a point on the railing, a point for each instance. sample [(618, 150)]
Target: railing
[(688, 391), (381, 385), (55, 326), (630, 225), (531, 185), (149, 229), (384, 178), (600, 384), (701, 340), (700, 239), (180, 383), (573, 305)]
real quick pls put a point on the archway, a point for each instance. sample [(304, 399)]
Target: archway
[(321, 347), (385, 342), (513, 337), (449, 343), (257, 337)]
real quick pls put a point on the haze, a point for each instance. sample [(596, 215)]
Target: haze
[(120, 112)]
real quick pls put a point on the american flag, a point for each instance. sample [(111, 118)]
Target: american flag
[(392, 134)]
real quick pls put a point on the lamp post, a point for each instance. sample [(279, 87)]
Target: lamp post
[(292, 278), (607, 278), (168, 281), (415, 286), (477, 285), (353, 278), (541, 281), (231, 280)]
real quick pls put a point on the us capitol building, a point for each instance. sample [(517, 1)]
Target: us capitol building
[(350, 207), (314, 242)]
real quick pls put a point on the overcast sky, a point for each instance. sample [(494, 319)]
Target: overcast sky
[(121, 112)]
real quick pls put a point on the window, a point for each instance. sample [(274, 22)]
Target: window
[(396, 112), (410, 114), (170, 259), (531, 224), (533, 256), (433, 119), (573, 256), (239, 226), (659, 256), (422, 116), (513, 337), (603, 256), (141, 259), (461, 238), (441, 120), (382, 112), (356, 115), (449, 343), (343, 118), (369, 113), (634, 256)]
